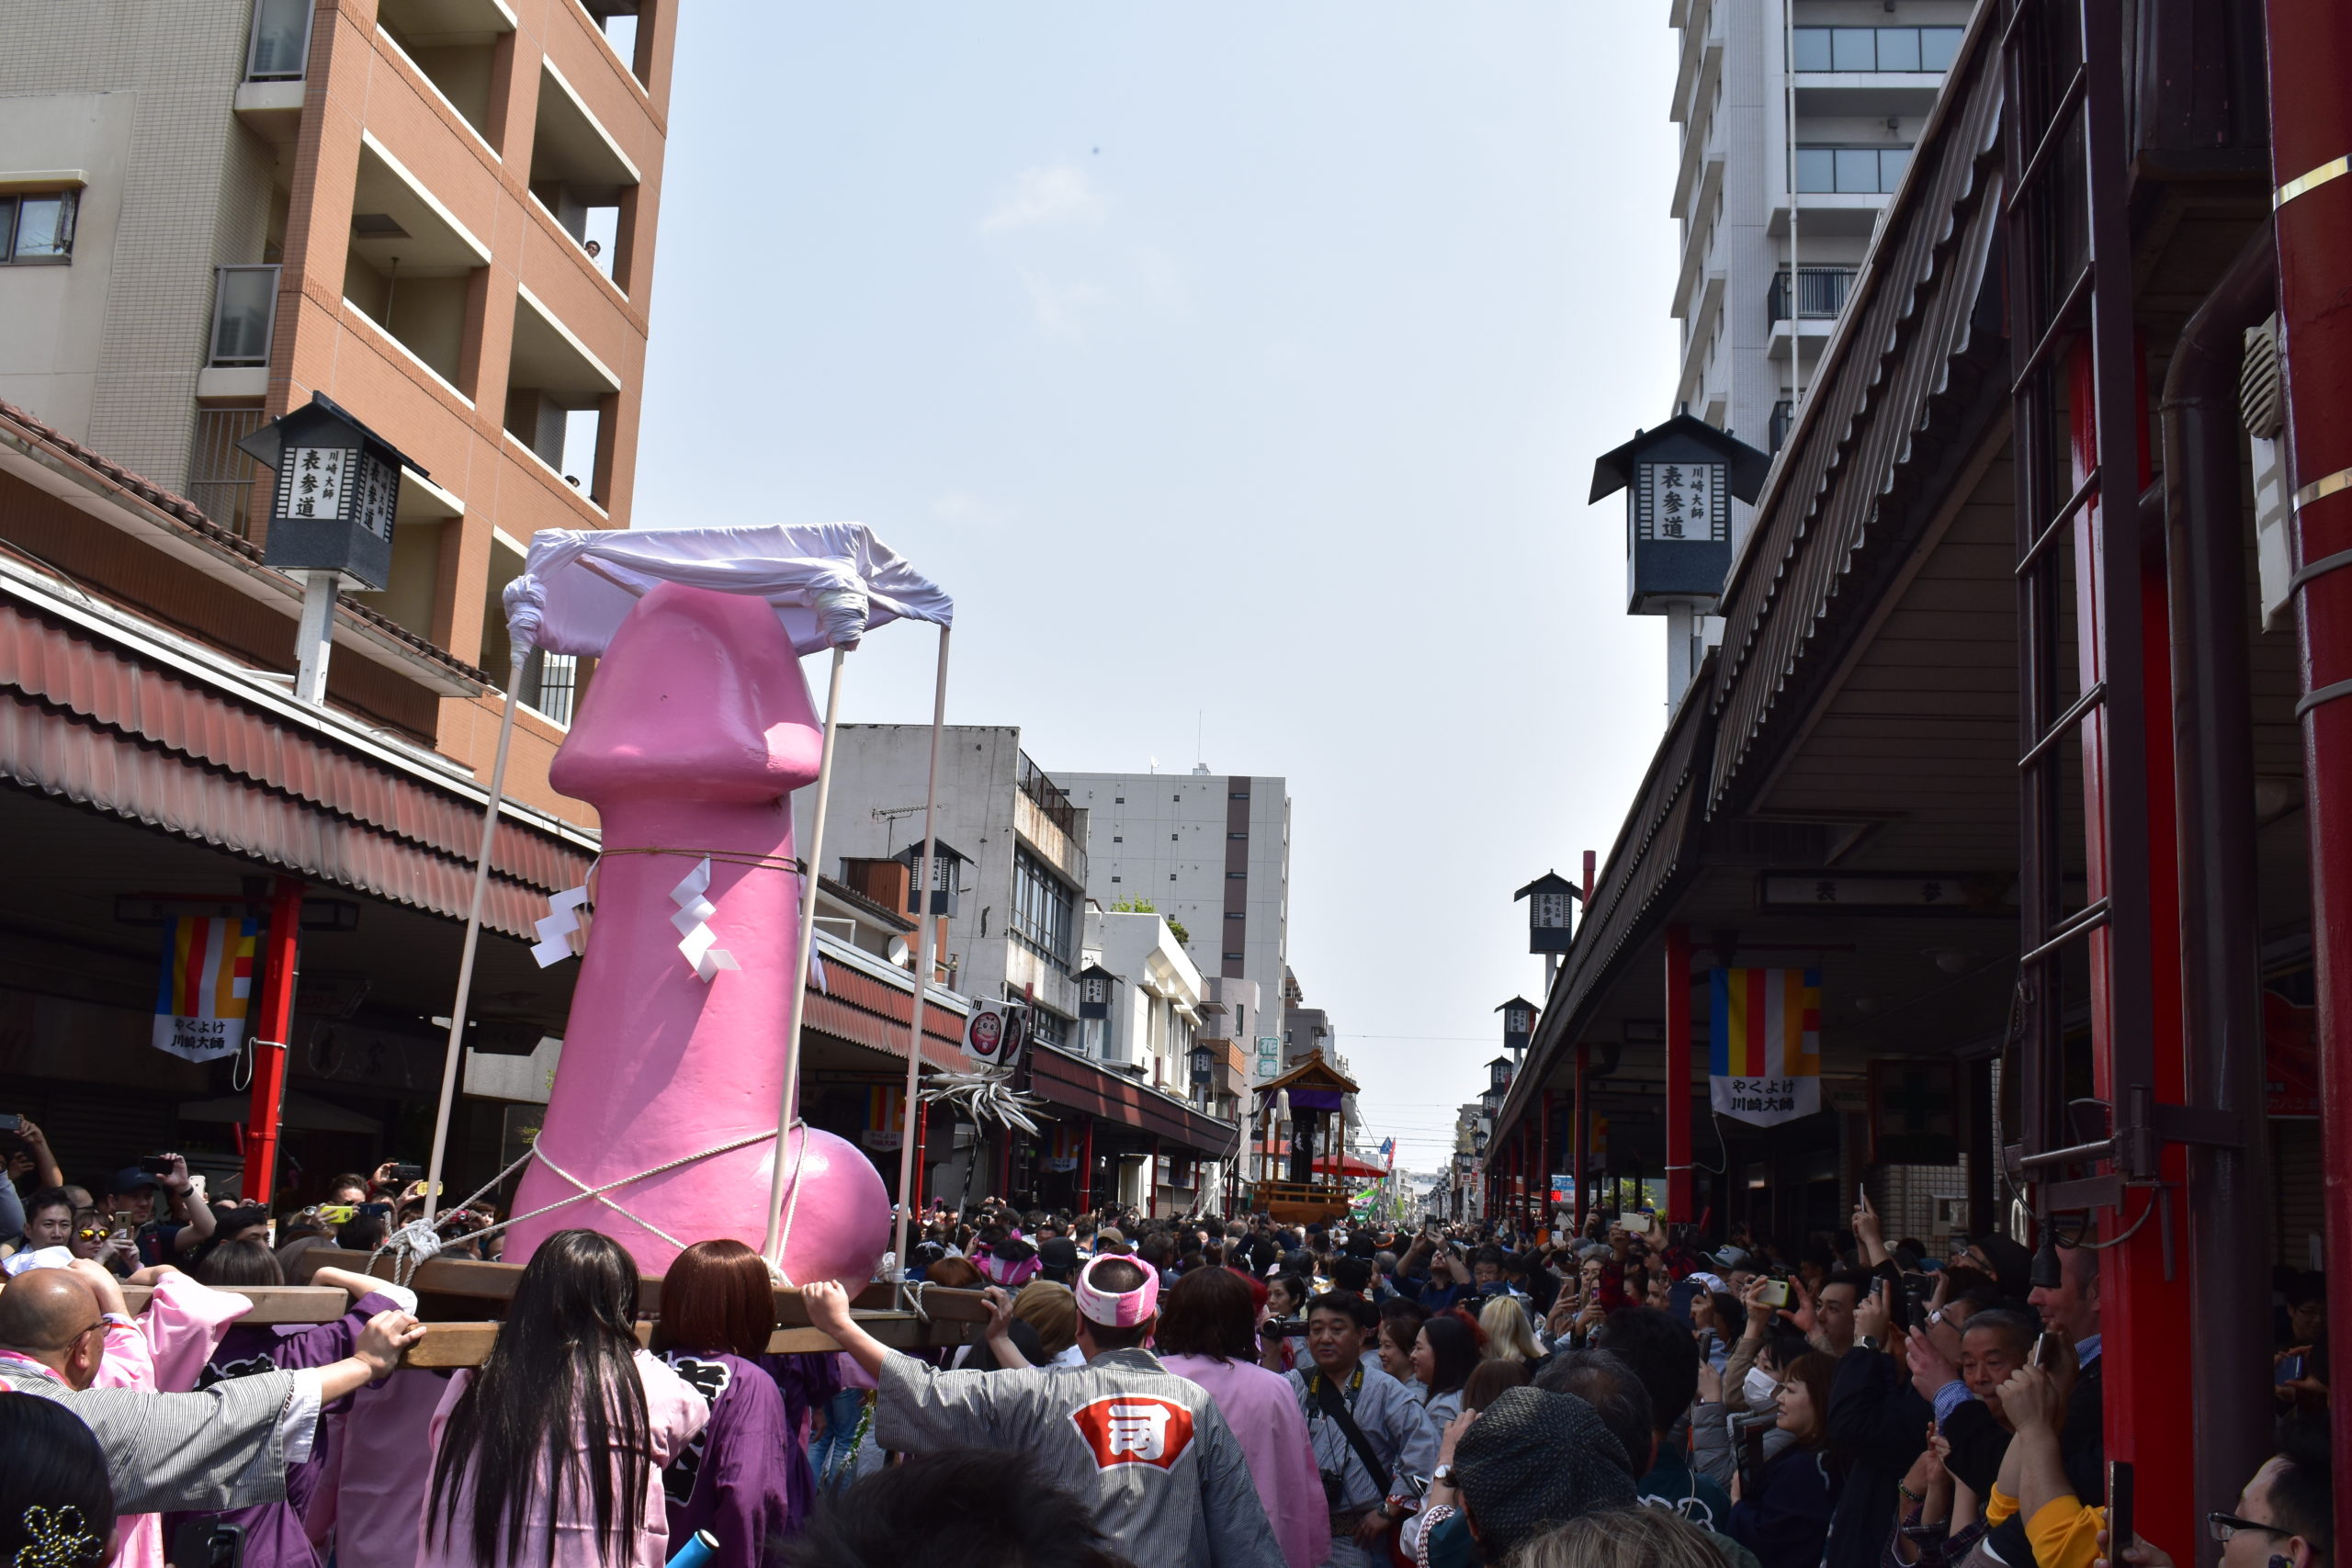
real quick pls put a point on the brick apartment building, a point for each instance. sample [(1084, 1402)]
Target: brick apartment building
[(440, 213)]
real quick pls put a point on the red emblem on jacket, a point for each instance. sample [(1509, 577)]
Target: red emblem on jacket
[(1134, 1428)]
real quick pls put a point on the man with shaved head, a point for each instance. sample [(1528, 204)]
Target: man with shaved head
[(227, 1446)]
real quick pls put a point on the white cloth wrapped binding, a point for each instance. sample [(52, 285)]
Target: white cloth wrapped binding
[(830, 582)]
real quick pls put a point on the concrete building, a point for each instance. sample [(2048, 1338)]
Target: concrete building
[(1782, 166), (1212, 853), (1156, 999), (440, 213), (1016, 924)]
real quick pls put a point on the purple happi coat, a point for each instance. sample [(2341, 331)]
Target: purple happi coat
[(744, 1477), (273, 1534)]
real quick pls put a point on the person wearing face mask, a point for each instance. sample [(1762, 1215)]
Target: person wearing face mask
[(1726, 1406), (1782, 1513)]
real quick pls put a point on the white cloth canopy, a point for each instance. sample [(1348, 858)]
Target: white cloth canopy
[(830, 582)]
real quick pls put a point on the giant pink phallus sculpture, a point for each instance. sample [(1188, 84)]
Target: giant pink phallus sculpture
[(692, 737)]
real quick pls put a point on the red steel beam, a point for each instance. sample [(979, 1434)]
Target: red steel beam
[(273, 1020), (1679, 1207), (2145, 1317), (2311, 128)]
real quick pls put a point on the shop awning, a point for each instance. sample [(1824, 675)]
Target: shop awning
[(1078, 1084), (98, 710)]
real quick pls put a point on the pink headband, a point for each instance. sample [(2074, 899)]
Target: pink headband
[(1113, 1310)]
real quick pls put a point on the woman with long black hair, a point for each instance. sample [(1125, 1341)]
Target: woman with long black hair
[(552, 1453)]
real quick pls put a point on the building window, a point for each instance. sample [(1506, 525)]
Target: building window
[(1852, 170), (281, 40), (220, 476), (550, 683), (1238, 795), (1233, 958), (1243, 836), (1171, 837), (1115, 879), (1118, 800), (1876, 48), (1041, 908), (245, 311), (1171, 876), (37, 228), (1051, 1027), (1236, 876), (1236, 915)]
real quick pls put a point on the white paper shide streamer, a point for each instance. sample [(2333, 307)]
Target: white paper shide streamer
[(692, 920), (555, 932)]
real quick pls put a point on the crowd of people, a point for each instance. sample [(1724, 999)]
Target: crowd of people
[(1143, 1391)]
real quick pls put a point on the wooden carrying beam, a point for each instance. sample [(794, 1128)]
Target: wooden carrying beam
[(447, 1345), (496, 1281)]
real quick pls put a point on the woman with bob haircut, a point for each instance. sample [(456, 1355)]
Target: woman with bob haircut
[(1208, 1333), (552, 1452), (744, 1477), (1786, 1522)]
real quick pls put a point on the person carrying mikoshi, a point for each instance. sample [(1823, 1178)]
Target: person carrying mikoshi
[(1147, 1449)]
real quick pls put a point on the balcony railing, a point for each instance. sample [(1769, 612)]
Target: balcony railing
[(1050, 797), (220, 476), (244, 314), (281, 47), (1821, 293), (1876, 48)]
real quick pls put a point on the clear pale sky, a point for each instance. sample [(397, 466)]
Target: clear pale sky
[(1240, 370)]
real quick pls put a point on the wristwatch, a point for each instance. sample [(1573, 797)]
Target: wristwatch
[(1443, 1476), (1866, 1341)]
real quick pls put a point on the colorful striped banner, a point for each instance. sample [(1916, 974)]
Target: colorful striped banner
[(1764, 1043), (884, 1111), (205, 989)]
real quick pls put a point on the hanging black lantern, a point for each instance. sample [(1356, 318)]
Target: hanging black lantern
[(1679, 481), (1549, 923), (1519, 1024), (1094, 984), (337, 493)]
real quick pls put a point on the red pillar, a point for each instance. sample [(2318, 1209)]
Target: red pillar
[(1086, 1170), (1580, 1135), (1679, 1207), (273, 1020), (2311, 124), (1543, 1160), (2145, 1318)]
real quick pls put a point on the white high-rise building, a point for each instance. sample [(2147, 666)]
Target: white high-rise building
[(1783, 167), (1212, 853)]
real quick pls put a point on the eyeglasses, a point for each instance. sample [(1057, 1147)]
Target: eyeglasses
[(2224, 1526), (88, 1233)]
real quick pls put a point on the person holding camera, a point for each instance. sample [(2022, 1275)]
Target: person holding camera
[(1371, 1440), (130, 1202)]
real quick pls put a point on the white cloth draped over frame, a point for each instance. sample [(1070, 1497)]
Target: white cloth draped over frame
[(828, 583)]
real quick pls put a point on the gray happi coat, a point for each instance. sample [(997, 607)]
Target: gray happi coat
[(1145, 1448), (197, 1452)]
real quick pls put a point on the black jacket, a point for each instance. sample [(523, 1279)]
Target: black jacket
[(1978, 1443), (1878, 1426)]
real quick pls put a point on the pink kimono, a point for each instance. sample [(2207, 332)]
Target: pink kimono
[(1263, 1412), (674, 1412), (163, 1351), (372, 1492)]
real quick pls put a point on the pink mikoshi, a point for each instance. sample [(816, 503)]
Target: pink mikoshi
[(670, 1120)]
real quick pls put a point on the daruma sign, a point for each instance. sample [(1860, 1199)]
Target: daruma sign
[(1764, 1042)]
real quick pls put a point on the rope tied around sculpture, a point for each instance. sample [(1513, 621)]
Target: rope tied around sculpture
[(418, 1242)]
